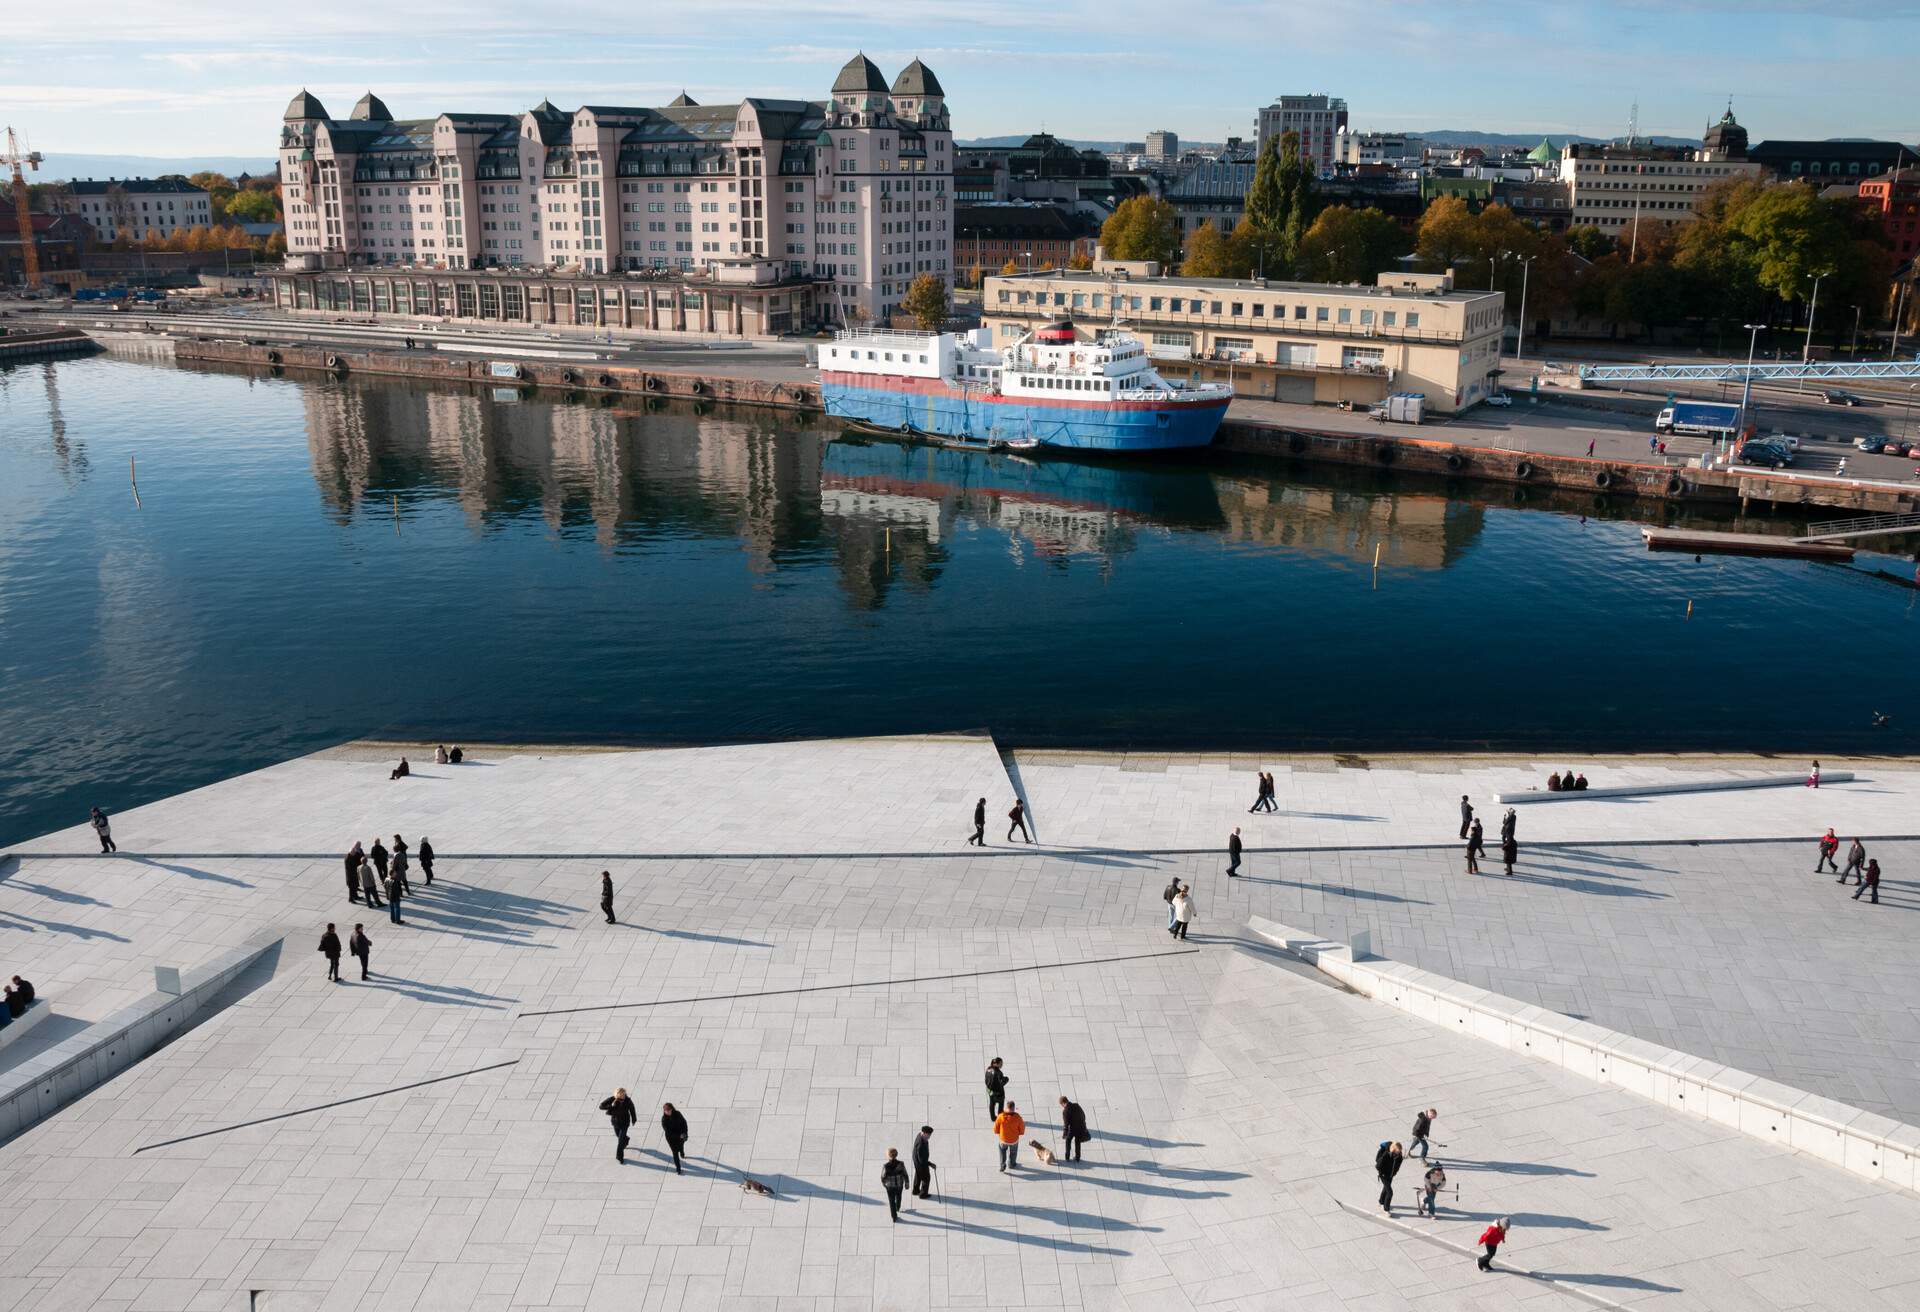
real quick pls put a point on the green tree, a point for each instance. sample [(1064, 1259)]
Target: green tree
[(1792, 236), (926, 301), (253, 207), (1208, 254), (1589, 242), (1349, 245), (1280, 204), (1142, 228), (218, 186)]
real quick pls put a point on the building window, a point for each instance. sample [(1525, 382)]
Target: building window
[(1413, 318)]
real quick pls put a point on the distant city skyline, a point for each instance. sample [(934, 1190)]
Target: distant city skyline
[(198, 77)]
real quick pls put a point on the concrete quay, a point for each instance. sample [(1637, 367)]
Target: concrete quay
[(810, 963)]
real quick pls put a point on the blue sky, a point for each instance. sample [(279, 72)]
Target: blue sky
[(181, 77)]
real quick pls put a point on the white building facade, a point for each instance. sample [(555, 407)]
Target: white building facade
[(855, 191), (1318, 119), (134, 208)]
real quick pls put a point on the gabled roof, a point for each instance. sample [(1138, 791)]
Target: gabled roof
[(372, 109), (682, 101), (860, 74), (305, 105), (916, 79)]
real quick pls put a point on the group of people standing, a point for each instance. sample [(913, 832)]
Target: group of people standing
[(1865, 870), (1475, 835), (1389, 1157), (379, 869)]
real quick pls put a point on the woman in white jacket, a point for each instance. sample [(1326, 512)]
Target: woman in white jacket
[(1183, 910)]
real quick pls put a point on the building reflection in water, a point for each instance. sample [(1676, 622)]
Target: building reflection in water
[(885, 515)]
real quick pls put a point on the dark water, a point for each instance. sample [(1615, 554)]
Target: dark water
[(318, 561)]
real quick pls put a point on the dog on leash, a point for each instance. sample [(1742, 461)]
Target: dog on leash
[(1041, 1153), (749, 1185)]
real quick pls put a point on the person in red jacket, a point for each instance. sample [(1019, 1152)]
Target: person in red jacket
[(1829, 846), (1491, 1238)]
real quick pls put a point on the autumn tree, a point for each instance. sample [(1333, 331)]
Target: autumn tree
[(1446, 234), (251, 206), (1350, 245), (1142, 228), (1010, 268), (1207, 255), (926, 301), (1080, 261), (218, 186)]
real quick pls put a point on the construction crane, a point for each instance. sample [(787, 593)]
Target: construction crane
[(14, 158)]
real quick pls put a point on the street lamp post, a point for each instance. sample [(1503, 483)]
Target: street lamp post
[(1746, 386), (1520, 345), (1906, 416), (1813, 308)]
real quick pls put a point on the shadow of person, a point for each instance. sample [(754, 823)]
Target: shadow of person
[(1517, 1168), (190, 871)]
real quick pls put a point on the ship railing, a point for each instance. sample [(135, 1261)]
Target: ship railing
[(882, 335)]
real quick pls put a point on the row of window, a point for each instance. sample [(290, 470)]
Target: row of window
[(1194, 305)]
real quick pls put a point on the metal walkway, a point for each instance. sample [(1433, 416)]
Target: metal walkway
[(1868, 526), (1733, 371)]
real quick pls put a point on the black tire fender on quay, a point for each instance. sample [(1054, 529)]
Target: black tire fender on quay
[(651, 383), (1603, 479), (569, 376), (1674, 486), (1384, 453), (333, 362), (1525, 470), (273, 357), (1297, 443), (606, 380), (1456, 462)]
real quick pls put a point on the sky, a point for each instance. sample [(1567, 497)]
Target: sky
[(201, 77)]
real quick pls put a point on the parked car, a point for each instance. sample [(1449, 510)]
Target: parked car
[(1895, 447), (1787, 440), (1873, 446), (1764, 455), (1833, 396), (1500, 399)]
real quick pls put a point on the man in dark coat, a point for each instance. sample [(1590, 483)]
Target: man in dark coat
[(1856, 859), (893, 1179), (922, 1161), (1478, 837), (23, 988), (674, 1126), (394, 890), (979, 838), (1073, 1128), (353, 873), (1509, 852), (379, 854), (621, 1111), (1386, 1165), (98, 819), (606, 894), (997, 1083), (1466, 814), (1233, 853), (330, 949), (1829, 847), (425, 857), (1422, 1127), (1870, 883), (1508, 824), (361, 946), (1017, 819), (370, 884)]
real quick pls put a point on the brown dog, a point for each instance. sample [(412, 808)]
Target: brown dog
[(750, 1185), (1041, 1153)]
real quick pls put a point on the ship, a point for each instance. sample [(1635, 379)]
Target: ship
[(1051, 389)]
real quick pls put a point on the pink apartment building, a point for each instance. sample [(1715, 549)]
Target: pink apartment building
[(853, 192)]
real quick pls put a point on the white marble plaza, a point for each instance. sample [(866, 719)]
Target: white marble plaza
[(811, 964)]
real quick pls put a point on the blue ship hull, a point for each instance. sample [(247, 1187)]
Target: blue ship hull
[(972, 417)]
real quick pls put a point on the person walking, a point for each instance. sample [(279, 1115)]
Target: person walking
[(1422, 1126), (997, 1083), (1509, 852), (1466, 814), (923, 1164), (1473, 866), (1870, 883), (98, 819), (400, 864), (379, 854), (1829, 846), (674, 1126), (425, 857), (622, 1114), (361, 946), (1590, 442), (1477, 835), (1018, 820), (1430, 1186), (370, 884), (1491, 1238), (1233, 853), (979, 838), (394, 889), (1008, 1127), (893, 1178), (1856, 858), (353, 872), (330, 949), (1167, 895), (1073, 1129), (1183, 910), (606, 895), (1813, 776), (1386, 1165)]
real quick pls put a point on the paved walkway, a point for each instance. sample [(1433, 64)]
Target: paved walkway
[(809, 1010)]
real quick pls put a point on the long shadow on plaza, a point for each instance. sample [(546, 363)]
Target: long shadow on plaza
[(485, 915), (54, 894), (1575, 885), (1359, 894), (691, 935), (55, 926), (1517, 1168), (1606, 1280), (441, 994), (1528, 1220), (1072, 1170), (190, 871)]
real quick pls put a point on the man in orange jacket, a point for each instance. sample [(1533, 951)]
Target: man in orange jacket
[(1009, 1127)]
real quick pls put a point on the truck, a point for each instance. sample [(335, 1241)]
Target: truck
[(1400, 408), (1713, 419)]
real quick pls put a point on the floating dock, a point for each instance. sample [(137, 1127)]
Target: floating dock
[(1743, 544)]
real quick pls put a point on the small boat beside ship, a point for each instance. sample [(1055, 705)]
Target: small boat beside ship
[(1052, 389)]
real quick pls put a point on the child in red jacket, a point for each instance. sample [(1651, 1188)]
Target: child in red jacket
[(1491, 1238)]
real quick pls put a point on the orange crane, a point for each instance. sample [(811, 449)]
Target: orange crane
[(14, 158)]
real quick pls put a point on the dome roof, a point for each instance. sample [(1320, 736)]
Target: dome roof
[(372, 109), (860, 74), (916, 79), (683, 101), (1544, 153), (305, 105)]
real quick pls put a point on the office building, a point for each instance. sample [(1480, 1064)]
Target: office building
[(1610, 186), (1163, 147), (853, 191), (987, 236), (1831, 161), (1353, 148), (134, 208), (1317, 118), (1287, 341), (1894, 200), (1213, 190)]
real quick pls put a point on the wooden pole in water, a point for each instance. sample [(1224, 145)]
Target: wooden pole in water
[(1689, 607), (889, 539), (133, 477), (396, 514)]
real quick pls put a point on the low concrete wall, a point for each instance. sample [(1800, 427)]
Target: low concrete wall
[(16, 1030), (74, 1067), (1862, 1142), (41, 345), (1695, 786)]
